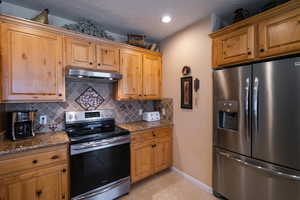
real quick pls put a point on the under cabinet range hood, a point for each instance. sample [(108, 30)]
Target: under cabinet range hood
[(79, 73)]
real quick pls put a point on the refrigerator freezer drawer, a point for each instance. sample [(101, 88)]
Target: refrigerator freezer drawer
[(239, 178)]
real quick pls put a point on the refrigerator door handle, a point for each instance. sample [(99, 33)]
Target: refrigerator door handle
[(247, 88), (255, 103), (270, 171)]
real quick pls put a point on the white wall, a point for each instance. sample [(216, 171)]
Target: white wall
[(19, 11), (193, 128)]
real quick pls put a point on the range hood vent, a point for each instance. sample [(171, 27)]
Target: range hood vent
[(93, 74)]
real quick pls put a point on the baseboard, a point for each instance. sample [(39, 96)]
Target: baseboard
[(196, 182)]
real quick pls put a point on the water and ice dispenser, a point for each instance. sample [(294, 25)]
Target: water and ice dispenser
[(228, 115)]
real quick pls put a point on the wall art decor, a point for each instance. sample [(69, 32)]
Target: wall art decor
[(90, 99), (187, 92), (89, 27), (186, 70)]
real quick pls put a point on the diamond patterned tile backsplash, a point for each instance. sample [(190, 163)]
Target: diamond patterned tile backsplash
[(126, 111)]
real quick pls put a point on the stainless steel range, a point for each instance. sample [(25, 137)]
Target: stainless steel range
[(100, 156), (257, 131)]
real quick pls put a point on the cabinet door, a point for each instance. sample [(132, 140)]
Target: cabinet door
[(162, 154), (151, 77), (141, 161), (44, 184), (108, 58), (32, 64), (130, 86), (235, 47), (280, 34), (79, 53)]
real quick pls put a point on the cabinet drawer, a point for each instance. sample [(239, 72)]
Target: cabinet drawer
[(162, 132), (143, 136), (31, 161)]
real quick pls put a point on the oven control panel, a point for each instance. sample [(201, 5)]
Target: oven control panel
[(73, 117)]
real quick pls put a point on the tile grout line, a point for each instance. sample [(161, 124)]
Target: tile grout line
[(193, 180)]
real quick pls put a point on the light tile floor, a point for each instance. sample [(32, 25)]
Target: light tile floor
[(167, 186)]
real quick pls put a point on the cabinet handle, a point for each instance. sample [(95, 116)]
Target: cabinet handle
[(262, 50), (34, 161), (39, 192), (63, 196), (64, 170), (54, 157)]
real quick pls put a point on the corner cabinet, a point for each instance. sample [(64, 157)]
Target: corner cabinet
[(34, 175), (151, 152), (141, 76), (32, 68), (273, 33)]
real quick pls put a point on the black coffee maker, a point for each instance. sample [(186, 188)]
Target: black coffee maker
[(20, 124)]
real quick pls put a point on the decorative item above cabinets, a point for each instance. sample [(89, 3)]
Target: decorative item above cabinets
[(273, 33), (31, 64), (141, 76), (86, 54)]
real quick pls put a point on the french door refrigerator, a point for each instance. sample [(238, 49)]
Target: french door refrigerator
[(257, 131)]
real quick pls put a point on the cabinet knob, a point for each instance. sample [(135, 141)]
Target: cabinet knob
[(91, 63), (153, 145), (249, 52), (39, 192), (153, 134), (64, 170), (35, 161), (99, 64), (60, 94), (63, 196), (262, 50)]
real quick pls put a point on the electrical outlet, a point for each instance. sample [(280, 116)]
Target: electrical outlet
[(163, 111), (140, 111), (43, 119)]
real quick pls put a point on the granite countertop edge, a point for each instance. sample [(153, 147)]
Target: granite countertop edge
[(134, 127), (41, 140)]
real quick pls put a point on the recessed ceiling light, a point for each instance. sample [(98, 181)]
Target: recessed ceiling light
[(166, 19)]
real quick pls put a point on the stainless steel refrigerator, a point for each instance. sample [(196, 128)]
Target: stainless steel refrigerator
[(257, 131)]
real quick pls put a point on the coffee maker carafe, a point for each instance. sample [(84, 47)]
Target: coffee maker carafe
[(21, 124)]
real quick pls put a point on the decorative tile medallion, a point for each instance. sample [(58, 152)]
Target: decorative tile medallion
[(90, 99)]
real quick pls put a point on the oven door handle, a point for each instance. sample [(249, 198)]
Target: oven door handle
[(96, 145)]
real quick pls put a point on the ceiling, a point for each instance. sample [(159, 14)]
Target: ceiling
[(140, 16)]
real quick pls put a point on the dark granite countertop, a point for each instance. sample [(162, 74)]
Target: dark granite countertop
[(39, 141), (143, 125)]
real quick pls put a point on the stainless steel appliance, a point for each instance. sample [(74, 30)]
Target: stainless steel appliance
[(256, 131), (99, 75), (100, 156), (20, 124)]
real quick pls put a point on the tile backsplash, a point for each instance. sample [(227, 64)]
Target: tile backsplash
[(126, 111)]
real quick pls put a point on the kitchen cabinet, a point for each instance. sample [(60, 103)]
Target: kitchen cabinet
[(280, 34), (79, 53), (151, 152), (108, 58), (273, 33), (91, 55), (32, 68), (43, 181), (151, 77), (235, 46), (130, 86), (141, 76)]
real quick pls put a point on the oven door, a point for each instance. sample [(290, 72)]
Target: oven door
[(98, 163)]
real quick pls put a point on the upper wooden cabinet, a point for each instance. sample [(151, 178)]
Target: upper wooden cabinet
[(86, 54), (129, 87), (32, 68), (141, 76), (280, 34), (275, 32), (151, 77), (108, 58), (236, 46), (79, 53)]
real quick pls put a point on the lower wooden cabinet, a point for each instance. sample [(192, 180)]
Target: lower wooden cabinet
[(48, 182), (151, 152)]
